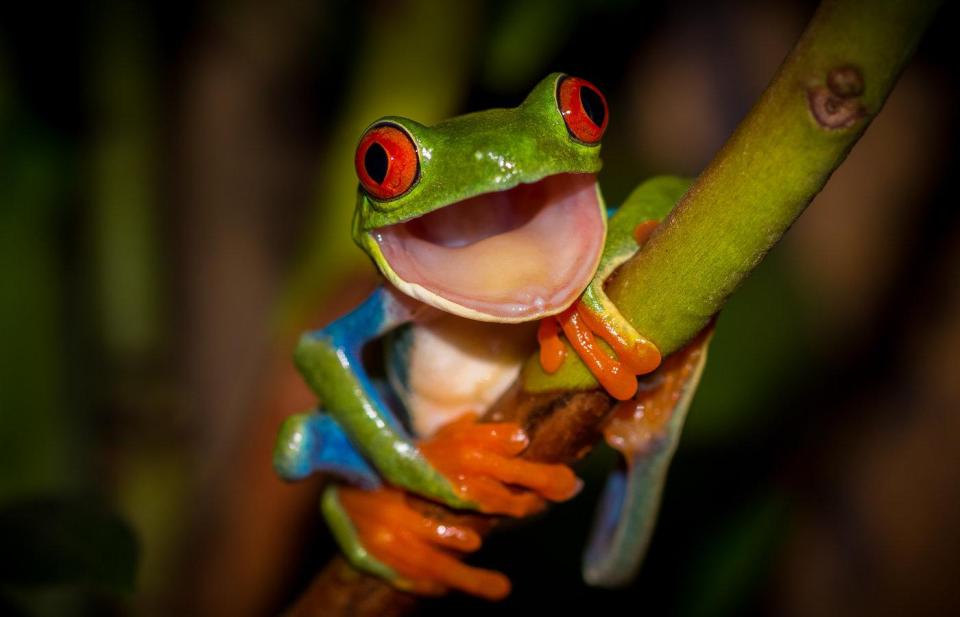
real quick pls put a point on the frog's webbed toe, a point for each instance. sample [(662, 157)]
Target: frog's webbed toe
[(481, 462), (381, 533), (592, 317)]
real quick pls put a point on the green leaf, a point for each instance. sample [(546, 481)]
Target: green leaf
[(46, 541)]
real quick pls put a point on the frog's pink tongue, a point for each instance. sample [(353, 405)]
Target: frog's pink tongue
[(512, 255)]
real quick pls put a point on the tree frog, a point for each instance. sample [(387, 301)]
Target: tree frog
[(492, 235)]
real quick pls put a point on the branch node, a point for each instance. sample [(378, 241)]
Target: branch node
[(833, 112), (845, 82)]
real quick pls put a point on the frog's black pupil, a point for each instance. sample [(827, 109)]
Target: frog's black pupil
[(375, 162), (593, 105)]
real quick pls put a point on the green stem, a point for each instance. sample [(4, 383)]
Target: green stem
[(824, 96)]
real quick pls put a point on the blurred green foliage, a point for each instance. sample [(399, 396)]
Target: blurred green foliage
[(753, 357), (122, 167), (52, 549), (735, 564), (35, 443), (57, 541)]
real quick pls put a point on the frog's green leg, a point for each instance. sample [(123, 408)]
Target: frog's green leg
[(646, 431), (596, 315), (329, 360)]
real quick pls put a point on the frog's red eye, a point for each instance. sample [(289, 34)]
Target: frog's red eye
[(386, 161), (583, 109)]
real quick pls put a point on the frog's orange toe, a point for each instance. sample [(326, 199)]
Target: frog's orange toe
[(552, 351), (640, 356), (618, 376), (492, 497), (431, 572), (553, 482), (416, 546), (613, 375), (457, 575), (480, 460)]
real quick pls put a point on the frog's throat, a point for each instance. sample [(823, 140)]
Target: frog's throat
[(508, 256)]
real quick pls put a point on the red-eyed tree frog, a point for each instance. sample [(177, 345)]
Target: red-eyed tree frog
[(492, 234)]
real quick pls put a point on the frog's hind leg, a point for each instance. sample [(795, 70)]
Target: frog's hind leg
[(379, 532), (372, 522), (645, 430)]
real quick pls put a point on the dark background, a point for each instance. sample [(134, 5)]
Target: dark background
[(175, 191)]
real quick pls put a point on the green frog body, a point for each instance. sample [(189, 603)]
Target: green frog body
[(492, 234)]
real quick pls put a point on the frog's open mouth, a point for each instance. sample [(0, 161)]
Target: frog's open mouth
[(508, 256)]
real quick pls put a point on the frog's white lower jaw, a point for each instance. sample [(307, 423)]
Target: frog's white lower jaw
[(509, 256)]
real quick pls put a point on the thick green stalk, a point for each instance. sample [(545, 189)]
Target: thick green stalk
[(828, 90)]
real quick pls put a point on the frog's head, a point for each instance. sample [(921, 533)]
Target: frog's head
[(494, 216)]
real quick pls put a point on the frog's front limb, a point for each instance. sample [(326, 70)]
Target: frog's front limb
[(481, 458), (595, 315), (646, 431)]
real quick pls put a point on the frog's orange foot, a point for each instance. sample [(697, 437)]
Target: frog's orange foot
[(582, 326), (421, 550), (480, 460)]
